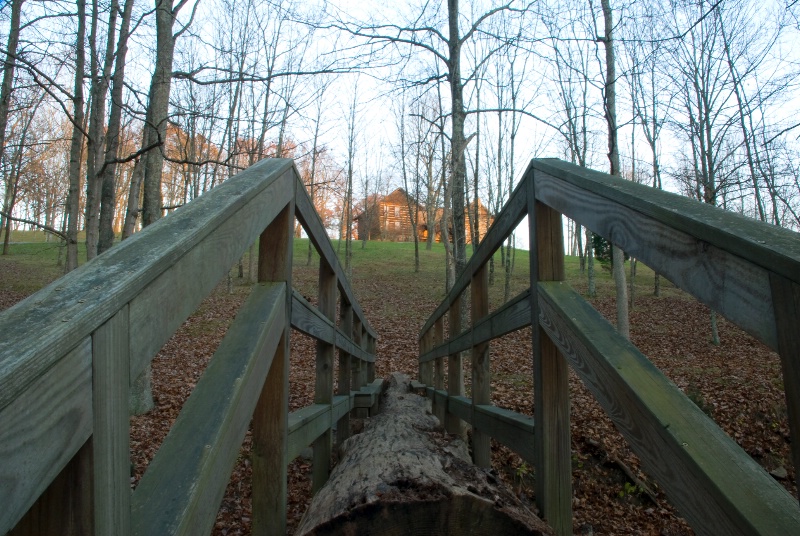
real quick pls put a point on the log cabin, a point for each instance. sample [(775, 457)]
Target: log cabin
[(388, 218)]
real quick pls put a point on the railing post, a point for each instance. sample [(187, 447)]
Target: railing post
[(481, 374), (355, 370), (455, 372), (270, 418), (438, 374), (346, 325), (786, 305), (111, 438), (323, 389), (92, 493), (550, 374), (362, 378), (371, 343)]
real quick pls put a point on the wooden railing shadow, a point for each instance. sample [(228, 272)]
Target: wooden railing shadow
[(746, 270), (68, 354)]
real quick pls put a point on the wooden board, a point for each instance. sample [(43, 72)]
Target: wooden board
[(311, 222), (786, 296), (707, 476), (513, 315), (510, 428), (770, 247), (308, 423), (270, 425), (323, 383), (481, 372), (192, 277), (731, 285), (309, 320), (553, 452), (111, 438), (38, 330), (184, 484), (42, 429), (508, 219)]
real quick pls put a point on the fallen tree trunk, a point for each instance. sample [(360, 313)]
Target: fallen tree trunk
[(404, 475)]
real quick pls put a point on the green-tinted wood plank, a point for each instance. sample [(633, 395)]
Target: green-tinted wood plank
[(42, 430), (111, 438), (192, 277), (725, 282), (706, 475), (38, 330), (181, 491), (772, 248)]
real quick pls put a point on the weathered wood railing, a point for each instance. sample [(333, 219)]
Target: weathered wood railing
[(68, 353), (746, 270)]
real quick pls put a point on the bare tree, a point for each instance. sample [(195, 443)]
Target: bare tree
[(610, 109)]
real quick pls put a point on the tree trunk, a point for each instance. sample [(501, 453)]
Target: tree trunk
[(623, 322), (402, 475), (96, 140), (73, 199), (458, 140), (157, 112), (8, 70), (108, 201)]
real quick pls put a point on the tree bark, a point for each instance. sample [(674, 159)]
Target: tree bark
[(623, 320), (8, 70), (155, 126), (97, 116), (403, 475), (108, 173), (73, 198)]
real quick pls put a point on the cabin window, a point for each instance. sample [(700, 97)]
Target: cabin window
[(397, 224)]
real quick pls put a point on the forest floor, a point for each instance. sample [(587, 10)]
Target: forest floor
[(738, 383)]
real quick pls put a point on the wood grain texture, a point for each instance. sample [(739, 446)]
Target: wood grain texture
[(323, 383), (455, 371), (786, 297), (65, 507), (38, 330), (715, 485), (726, 282), (270, 424), (343, 384), (440, 410), (308, 423), (513, 315), (309, 320), (481, 373), (192, 277), (550, 374), (184, 484), (41, 431), (772, 248), (111, 438)]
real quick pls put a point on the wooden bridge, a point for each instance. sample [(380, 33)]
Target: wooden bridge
[(69, 352)]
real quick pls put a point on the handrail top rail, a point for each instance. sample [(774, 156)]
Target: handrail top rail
[(40, 329), (771, 247)]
